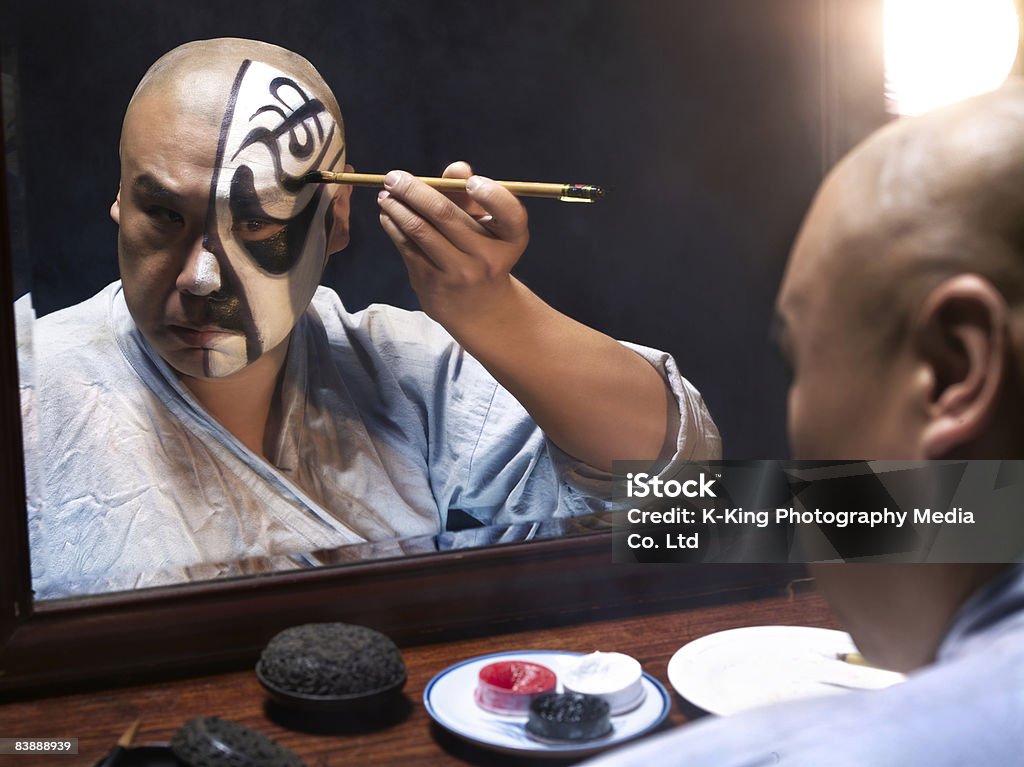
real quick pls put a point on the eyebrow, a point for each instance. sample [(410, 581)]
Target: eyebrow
[(149, 186)]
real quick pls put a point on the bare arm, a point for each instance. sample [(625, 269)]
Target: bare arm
[(593, 397)]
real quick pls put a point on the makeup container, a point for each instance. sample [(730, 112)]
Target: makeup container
[(332, 667)]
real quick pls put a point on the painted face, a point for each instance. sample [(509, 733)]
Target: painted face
[(244, 240), (269, 225)]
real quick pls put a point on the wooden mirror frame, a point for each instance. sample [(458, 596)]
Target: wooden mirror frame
[(223, 624)]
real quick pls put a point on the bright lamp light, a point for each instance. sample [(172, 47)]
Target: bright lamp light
[(941, 51)]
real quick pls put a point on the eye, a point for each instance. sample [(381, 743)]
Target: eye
[(164, 216), (256, 229)]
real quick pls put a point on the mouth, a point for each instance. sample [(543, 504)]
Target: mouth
[(202, 337)]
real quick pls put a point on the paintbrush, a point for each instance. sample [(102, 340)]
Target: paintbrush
[(124, 742), (855, 659), (563, 192)]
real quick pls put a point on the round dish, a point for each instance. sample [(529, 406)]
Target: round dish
[(738, 669), (448, 699)]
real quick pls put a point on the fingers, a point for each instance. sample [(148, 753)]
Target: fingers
[(462, 169), (458, 169), (410, 251), (505, 215), (428, 217), (457, 264), (444, 247)]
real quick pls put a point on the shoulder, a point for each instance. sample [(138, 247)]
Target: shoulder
[(384, 330), (76, 329), (79, 344), (383, 355)]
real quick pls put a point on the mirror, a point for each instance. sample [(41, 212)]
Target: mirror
[(710, 123)]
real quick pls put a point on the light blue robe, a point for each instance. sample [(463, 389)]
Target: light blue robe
[(387, 428)]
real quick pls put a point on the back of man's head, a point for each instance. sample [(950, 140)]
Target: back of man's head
[(903, 313), (904, 294), (931, 197)]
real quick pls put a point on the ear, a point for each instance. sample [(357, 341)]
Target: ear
[(115, 208), (338, 234), (963, 336)]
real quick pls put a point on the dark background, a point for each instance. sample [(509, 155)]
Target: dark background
[(712, 122)]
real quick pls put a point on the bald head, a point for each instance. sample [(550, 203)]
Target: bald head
[(902, 312), (902, 306), (200, 74), (923, 199)]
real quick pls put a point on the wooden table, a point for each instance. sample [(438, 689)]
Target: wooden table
[(99, 718)]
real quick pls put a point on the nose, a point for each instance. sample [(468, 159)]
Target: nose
[(200, 275)]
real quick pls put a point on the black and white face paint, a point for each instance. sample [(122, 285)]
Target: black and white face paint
[(266, 241)]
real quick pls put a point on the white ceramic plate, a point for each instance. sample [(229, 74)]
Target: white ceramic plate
[(449, 701), (735, 670)]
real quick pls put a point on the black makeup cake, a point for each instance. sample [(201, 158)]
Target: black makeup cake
[(330, 665), (209, 741), (568, 717)]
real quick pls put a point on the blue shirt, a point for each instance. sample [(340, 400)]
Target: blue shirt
[(965, 709), (388, 428)]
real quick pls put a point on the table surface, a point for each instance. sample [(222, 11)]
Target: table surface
[(409, 737)]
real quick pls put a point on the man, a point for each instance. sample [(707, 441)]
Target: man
[(902, 314), (216, 404)]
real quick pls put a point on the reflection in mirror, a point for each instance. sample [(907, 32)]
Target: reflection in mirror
[(692, 137), (215, 404)]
